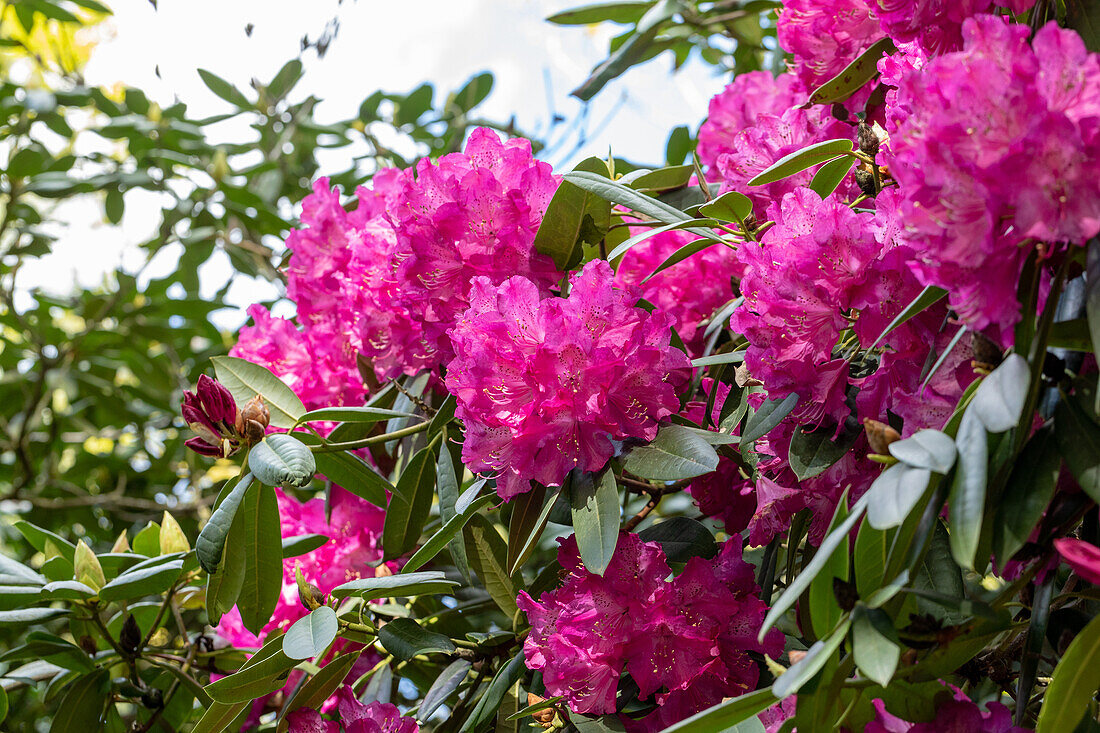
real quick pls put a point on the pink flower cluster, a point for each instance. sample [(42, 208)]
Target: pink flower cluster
[(824, 36), (544, 385), (966, 130), (685, 641), (355, 717), (957, 714)]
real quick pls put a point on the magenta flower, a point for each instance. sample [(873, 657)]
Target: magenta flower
[(544, 385), (211, 413), (739, 106), (355, 717), (683, 641), (824, 36), (468, 215), (935, 26), (1083, 557), (958, 714)]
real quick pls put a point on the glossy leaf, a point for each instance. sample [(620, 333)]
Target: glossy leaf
[(927, 298), (245, 380), (445, 684), (405, 639), (575, 216), (721, 717), (403, 585), (261, 674), (282, 460), (262, 545), (310, 635), (488, 555), (675, 454), (410, 504), (142, 581), (211, 540), (968, 490), (853, 76), (767, 416), (829, 176), (875, 646), (1000, 397), (894, 494), (322, 685), (681, 538), (800, 160), (812, 453), (594, 503)]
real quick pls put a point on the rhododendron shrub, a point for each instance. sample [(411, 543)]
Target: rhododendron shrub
[(804, 432)]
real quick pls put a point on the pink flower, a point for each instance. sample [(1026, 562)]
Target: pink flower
[(824, 36), (683, 641), (544, 385), (355, 716), (955, 715), (1082, 556), (468, 215), (935, 26), (211, 413), (996, 146), (739, 106)]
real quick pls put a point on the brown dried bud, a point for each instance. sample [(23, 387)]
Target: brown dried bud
[(87, 643), (796, 656), (879, 435), (867, 139), (845, 593), (252, 421), (544, 717), (987, 355), (129, 638), (866, 181), (742, 378)]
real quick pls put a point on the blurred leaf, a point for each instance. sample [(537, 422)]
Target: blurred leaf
[(81, 708), (224, 89), (1074, 682)]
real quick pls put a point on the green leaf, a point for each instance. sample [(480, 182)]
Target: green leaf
[(38, 537), (310, 635), (281, 460), (223, 587), (681, 254), (449, 498), (812, 453), (445, 684), (405, 639), (410, 504), (211, 540), (869, 559), (875, 646), (929, 449), (731, 357), (486, 708), (82, 706), (1029, 490), (224, 89), (852, 78), (219, 717), (147, 541), (405, 585), (142, 581), (631, 52), (262, 545), (473, 92), (825, 612), (723, 716), (352, 473), (113, 205), (1079, 440), (245, 380), (322, 685), (27, 616), (675, 454), (16, 573), (894, 494), (967, 497), (488, 555), (662, 179), (575, 216), (594, 503), (303, 544), (926, 299), (804, 669), (681, 538), (650, 232), (617, 193), (767, 416), (800, 160), (1074, 682), (531, 541), (829, 176), (614, 12), (802, 581), (527, 518), (1092, 287), (261, 674), (285, 79), (1000, 397), (358, 415), (730, 206)]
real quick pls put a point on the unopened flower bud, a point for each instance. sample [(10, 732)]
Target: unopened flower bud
[(879, 435), (172, 538), (867, 139), (86, 567), (544, 717), (87, 643), (865, 179), (122, 544), (253, 420), (987, 355), (129, 638), (383, 571), (309, 595), (796, 656)]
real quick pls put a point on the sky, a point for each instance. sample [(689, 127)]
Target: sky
[(379, 45)]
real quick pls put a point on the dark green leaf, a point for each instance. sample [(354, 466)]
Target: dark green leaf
[(310, 635), (262, 545), (281, 460), (302, 544), (83, 704), (245, 380), (404, 585), (767, 416), (681, 538), (614, 12), (812, 453), (967, 497), (594, 501), (675, 454), (1029, 490), (927, 298), (486, 708), (1074, 682), (410, 504), (617, 193), (404, 639), (445, 684), (875, 646), (852, 78), (575, 216), (142, 581), (323, 684), (211, 540), (352, 473), (488, 556), (800, 160), (260, 675), (869, 559), (1079, 440)]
